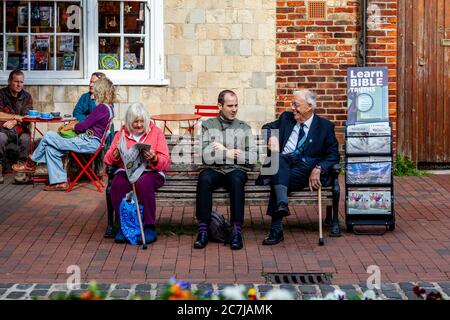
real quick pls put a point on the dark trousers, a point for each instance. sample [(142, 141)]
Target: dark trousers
[(293, 174), (234, 182), (22, 142)]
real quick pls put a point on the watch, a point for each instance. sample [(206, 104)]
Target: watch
[(319, 167)]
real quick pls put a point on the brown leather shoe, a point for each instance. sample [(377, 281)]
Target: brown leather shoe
[(24, 167), (57, 187)]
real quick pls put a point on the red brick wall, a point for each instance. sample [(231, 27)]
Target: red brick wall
[(315, 54)]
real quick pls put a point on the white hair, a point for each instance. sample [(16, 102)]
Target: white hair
[(309, 96), (135, 111)]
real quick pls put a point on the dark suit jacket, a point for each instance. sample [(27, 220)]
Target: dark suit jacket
[(321, 145)]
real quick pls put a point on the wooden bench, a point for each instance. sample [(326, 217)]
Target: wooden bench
[(181, 183)]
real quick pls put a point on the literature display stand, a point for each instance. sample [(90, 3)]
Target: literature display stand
[(369, 187)]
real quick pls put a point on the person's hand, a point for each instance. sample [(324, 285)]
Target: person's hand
[(150, 155), (218, 146), (314, 179), (273, 144), (71, 125), (234, 153), (10, 124)]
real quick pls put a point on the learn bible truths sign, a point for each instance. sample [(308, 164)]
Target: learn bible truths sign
[(367, 94)]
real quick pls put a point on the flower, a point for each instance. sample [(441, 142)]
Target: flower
[(234, 293), (279, 294), (251, 294), (339, 294), (369, 295)]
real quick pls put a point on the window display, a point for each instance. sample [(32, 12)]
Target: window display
[(33, 22), (124, 53), (120, 31)]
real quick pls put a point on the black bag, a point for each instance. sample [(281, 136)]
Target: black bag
[(218, 228)]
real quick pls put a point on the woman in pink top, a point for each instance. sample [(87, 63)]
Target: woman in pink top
[(139, 129)]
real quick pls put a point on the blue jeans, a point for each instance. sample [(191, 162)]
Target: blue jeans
[(52, 147)]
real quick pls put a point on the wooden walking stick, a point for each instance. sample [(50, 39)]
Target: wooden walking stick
[(321, 242), (144, 244)]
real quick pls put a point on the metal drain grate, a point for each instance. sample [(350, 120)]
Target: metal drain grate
[(298, 278)]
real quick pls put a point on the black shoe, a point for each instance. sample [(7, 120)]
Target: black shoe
[(274, 237), (282, 209), (335, 230), (236, 241), (201, 241)]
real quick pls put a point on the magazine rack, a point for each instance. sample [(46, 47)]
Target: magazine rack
[(369, 187)]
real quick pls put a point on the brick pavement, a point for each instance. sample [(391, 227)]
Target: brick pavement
[(42, 233)]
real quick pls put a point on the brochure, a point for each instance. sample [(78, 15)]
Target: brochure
[(369, 202), (369, 129), (372, 145), (133, 162), (369, 173)]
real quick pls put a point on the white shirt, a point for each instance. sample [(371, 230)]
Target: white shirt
[(293, 138)]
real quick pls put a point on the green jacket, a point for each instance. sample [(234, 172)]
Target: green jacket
[(234, 134)]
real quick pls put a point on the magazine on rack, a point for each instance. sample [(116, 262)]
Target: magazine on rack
[(132, 158), (369, 130), (357, 145), (369, 173), (369, 202)]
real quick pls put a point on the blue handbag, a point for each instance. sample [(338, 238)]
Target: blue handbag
[(129, 222)]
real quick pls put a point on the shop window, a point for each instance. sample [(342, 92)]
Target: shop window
[(65, 41)]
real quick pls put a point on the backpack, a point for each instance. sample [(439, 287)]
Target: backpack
[(218, 228)]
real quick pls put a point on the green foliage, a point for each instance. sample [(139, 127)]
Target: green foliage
[(403, 166)]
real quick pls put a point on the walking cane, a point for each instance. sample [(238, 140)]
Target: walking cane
[(321, 243), (144, 244)]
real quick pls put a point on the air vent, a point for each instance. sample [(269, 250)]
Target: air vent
[(317, 9), (298, 278)]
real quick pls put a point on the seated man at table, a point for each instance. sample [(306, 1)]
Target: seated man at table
[(14, 135)]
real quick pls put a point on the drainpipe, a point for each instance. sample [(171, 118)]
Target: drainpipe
[(362, 33)]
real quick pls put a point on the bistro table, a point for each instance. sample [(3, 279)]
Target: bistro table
[(35, 120), (176, 117)]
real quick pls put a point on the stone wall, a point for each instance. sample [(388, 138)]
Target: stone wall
[(209, 46)]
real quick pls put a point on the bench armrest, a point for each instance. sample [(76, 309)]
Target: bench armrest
[(335, 170)]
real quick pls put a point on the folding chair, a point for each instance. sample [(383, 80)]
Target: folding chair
[(85, 162), (205, 111)]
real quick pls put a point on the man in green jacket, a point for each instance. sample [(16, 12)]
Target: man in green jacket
[(228, 152)]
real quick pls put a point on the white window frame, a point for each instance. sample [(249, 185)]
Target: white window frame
[(154, 53)]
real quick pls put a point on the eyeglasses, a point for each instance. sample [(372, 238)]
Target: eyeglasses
[(296, 105)]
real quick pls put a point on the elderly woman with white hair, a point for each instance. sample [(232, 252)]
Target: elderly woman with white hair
[(139, 129)]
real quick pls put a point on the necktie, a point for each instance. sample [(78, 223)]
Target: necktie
[(301, 140)]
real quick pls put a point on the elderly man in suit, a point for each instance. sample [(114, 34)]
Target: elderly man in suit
[(307, 146)]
